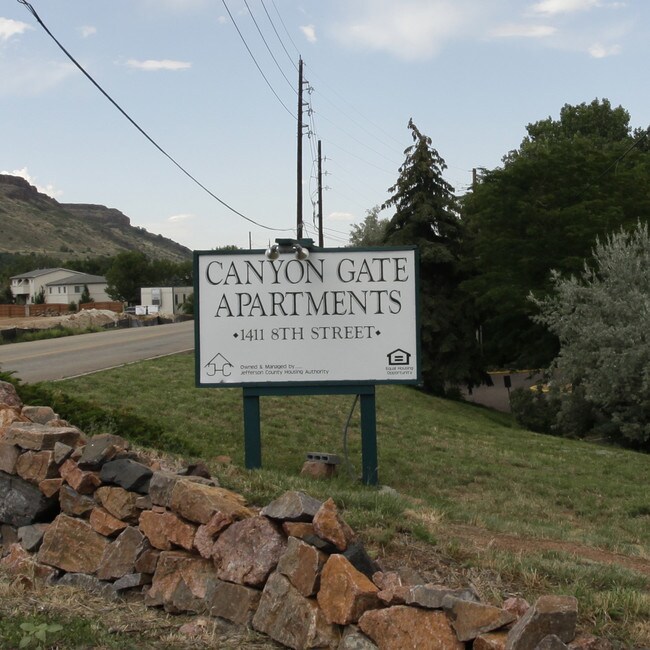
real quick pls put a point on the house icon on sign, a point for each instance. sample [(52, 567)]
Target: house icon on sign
[(399, 357), (219, 365)]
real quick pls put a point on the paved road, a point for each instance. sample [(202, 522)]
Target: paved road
[(76, 355)]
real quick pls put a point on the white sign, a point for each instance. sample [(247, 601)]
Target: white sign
[(341, 315)]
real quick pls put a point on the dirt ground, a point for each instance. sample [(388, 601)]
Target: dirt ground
[(80, 320)]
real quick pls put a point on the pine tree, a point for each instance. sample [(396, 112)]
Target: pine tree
[(426, 214)]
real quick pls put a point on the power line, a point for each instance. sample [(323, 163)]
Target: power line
[(278, 35), (285, 27), (268, 48), (138, 127), (268, 83)]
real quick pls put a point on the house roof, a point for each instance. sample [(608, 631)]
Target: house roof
[(78, 278), (38, 273)]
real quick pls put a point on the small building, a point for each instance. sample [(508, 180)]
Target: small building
[(70, 288), (168, 300)]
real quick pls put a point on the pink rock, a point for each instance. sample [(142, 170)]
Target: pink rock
[(19, 562), (248, 551), (104, 523), (165, 528), (36, 466), (302, 564), (291, 619), (329, 525), (119, 502), (82, 481), (206, 534), (400, 627), (345, 593), (72, 545)]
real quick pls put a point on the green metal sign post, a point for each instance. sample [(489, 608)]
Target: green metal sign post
[(366, 392)]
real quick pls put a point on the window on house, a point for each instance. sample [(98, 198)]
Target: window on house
[(77, 289)]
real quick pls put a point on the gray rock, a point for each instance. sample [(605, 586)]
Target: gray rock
[(75, 504), (356, 554), (22, 503), (132, 580), (128, 474), (432, 596), (549, 615), (88, 583), (551, 642), (62, 452), (31, 537), (100, 449), (354, 639), (292, 506)]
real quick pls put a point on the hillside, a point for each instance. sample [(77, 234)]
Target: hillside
[(32, 222)]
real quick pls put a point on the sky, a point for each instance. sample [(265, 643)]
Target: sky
[(213, 83)]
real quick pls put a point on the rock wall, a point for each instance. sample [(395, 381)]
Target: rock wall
[(92, 512)]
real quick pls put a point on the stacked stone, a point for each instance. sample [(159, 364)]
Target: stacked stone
[(91, 512)]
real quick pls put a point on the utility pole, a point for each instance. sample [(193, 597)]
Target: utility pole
[(299, 166), (320, 197)]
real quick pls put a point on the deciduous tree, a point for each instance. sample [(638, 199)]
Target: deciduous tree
[(571, 180), (601, 320)]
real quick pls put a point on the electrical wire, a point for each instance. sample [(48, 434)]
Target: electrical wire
[(278, 35), (285, 27), (257, 65), (269, 49), (138, 127)]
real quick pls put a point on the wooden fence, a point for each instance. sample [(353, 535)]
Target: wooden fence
[(54, 309)]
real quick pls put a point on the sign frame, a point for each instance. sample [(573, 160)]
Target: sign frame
[(414, 379)]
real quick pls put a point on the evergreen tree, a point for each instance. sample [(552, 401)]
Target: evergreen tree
[(85, 296), (426, 214)]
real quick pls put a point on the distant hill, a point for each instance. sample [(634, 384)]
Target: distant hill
[(31, 222)]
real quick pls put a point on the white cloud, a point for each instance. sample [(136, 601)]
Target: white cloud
[(599, 51), (9, 28), (179, 218), (341, 216), (154, 65), (50, 190), (222, 20), (411, 30), (310, 32), (523, 31), (87, 30), (564, 6)]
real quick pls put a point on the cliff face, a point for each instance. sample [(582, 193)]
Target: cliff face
[(32, 222), (99, 213)]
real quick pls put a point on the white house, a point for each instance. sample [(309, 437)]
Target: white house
[(26, 286), (59, 285), (169, 300), (70, 288)]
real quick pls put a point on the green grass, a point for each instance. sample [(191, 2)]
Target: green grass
[(50, 333), (451, 463)]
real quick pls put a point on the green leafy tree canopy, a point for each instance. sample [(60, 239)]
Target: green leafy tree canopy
[(571, 180)]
